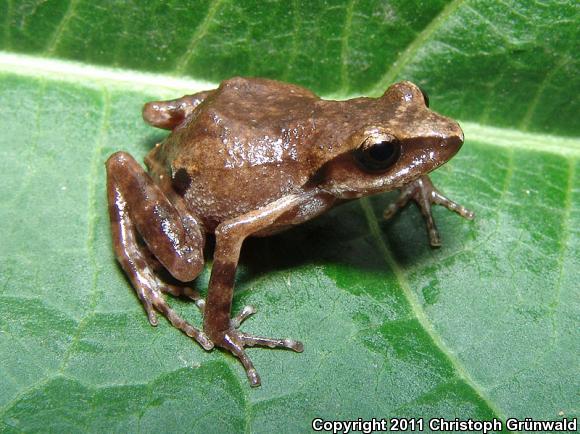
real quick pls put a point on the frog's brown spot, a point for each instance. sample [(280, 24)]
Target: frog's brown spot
[(181, 181)]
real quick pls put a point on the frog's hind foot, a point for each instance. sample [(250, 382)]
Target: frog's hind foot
[(235, 341), (184, 291), (424, 193), (152, 300)]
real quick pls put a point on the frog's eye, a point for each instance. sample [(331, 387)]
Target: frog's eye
[(425, 96), (379, 153)]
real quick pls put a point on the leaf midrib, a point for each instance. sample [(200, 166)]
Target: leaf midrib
[(169, 86), (418, 312)]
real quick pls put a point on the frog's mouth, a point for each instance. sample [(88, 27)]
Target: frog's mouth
[(423, 155)]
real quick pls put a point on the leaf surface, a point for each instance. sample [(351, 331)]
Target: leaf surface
[(487, 326)]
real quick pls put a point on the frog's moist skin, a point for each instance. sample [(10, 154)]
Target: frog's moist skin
[(252, 158)]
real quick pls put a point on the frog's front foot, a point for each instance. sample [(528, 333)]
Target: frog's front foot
[(424, 193), (235, 341)]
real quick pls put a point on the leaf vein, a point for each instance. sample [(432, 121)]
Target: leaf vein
[(22, 393), (534, 102), (407, 55), (295, 33), (344, 76), (57, 35), (566, 226), (200, 31), (7, 26)]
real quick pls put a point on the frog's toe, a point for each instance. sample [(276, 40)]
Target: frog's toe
[(184, 291), (405, 195), (232, 342), (184, 326), (259, 341), (244, 314), (248, 340), (151, 315), (235, 342), (439, 199), (424, 193), (152, 300)]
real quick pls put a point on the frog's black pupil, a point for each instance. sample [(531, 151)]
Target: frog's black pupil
[(425, 97), (379, 156), (382, 151)]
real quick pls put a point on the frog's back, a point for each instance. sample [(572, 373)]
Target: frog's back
[(261, 89), (251, 107), (245, 146)]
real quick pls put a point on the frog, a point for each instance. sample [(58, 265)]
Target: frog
[(252, 158)]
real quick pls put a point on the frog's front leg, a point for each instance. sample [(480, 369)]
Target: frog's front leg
[(139, 208), (424, 193), (218, 324)]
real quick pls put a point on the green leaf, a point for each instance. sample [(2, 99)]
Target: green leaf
[(487, 326)]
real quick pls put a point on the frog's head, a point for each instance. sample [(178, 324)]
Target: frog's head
[(400, 140)]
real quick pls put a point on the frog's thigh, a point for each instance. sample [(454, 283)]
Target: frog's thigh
[(137, 205), (136, 202)]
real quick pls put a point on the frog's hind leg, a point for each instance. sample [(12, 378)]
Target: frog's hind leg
[(139, 208), (169, 114)]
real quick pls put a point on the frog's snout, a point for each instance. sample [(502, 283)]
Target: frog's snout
[(460, 135), (454, 138), (454, 141)]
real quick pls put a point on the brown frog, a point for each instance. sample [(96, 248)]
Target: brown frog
[(252, 158)]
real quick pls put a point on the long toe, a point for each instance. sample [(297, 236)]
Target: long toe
[(236, 341)]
